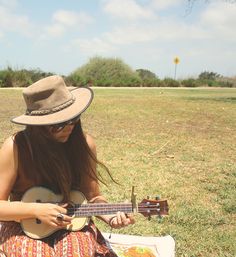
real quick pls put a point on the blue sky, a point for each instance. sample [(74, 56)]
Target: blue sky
[(62, 35)]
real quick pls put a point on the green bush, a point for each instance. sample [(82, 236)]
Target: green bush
[(169, 82), (151, 83), (212, 79), (227, 82), (209, 83), (146, 74), (148, 78), (20, 78), (106, 72), (6, 78), (75, 81), (209, 75), (190, 83)]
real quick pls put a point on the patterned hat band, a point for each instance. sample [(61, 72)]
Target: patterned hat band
[(52, 110)]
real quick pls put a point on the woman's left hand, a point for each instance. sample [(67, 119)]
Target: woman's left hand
[(121, 220)]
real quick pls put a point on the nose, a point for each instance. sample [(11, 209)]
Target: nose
[(69, 127)]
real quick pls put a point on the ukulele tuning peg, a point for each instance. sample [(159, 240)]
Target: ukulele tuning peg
[(158, 197)]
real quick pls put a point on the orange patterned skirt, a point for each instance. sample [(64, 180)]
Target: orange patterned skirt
[(87, 242)]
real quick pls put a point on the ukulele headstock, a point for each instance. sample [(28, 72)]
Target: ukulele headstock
[(150, 207)]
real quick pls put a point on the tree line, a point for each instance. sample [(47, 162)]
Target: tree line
[(112, 72)]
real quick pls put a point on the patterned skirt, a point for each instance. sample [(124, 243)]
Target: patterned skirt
[(87, 242)]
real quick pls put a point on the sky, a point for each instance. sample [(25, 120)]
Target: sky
[(60, 36)]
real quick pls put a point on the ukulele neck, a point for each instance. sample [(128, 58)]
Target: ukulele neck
[(85, 210)]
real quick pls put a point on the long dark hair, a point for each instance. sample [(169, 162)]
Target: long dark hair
[(60, 166)]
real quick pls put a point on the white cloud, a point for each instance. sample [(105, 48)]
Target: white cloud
[(55, 30), (127, 9), (93, 46), (9, 3), (163, 31), (14, 22), (175, 30), (130, 35), (64, 20), (69, 18), (164, 4), (220, 20)]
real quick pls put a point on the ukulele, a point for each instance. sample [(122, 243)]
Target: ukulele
[(81, 210)]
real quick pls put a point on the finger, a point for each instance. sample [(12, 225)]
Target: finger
[(68, 218), (63, 218), (62, 223), (60, 217), (114, 222), (131, 218), (54, 224), (119, 218), (64, 205), (124, 219), (62, 210)]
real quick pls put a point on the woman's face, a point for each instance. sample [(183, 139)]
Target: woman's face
[(61, 132), (62, 135)]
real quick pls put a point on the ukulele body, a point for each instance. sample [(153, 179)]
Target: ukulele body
[(35, 228)]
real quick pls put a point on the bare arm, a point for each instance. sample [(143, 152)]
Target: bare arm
[(16, 211), (8, 174)]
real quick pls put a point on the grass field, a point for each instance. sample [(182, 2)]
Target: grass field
[(177, 143)]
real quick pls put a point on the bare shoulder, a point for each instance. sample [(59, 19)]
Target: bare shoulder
[(8, 146), (8, 151), (91, 142), (8, 166)]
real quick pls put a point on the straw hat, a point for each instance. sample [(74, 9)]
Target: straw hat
[(49, 101)]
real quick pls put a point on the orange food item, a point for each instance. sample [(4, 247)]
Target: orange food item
[(138, 252)]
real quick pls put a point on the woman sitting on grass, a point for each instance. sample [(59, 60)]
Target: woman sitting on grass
[(53, 152)]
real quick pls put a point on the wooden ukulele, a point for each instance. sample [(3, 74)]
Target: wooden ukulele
[(81, 210)]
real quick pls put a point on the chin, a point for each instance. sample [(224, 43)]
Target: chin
[(62, 139)]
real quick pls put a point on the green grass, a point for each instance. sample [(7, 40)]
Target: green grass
[(177, 143)]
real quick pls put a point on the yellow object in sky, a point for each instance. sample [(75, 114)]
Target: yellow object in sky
[(176, 60)]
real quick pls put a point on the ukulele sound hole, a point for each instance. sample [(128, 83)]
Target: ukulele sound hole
[(37, 220)]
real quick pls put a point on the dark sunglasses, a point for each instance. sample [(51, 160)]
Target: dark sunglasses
[(60, 126)]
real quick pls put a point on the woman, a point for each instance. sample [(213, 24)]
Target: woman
[(54, 152)]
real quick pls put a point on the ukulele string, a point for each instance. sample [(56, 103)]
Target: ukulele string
[(106, 209), (112, 207)]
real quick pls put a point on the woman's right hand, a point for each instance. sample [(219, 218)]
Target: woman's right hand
[(51, 214)]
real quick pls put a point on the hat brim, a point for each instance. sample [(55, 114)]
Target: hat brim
[(83, 98)]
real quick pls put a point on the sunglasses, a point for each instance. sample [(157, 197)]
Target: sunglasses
[(60, 126)]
